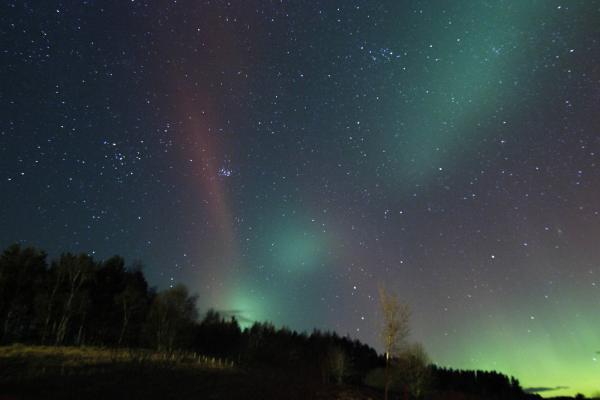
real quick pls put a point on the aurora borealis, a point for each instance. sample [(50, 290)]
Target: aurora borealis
[(284, 158)]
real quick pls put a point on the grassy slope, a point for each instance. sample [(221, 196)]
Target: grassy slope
[(94, 373)]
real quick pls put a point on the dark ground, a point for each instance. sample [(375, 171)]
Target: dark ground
[(36, 372), (90, 373)]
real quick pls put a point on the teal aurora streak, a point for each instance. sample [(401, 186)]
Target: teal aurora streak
[(284, 158)]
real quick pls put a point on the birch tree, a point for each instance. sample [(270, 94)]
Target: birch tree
[(394, 331)]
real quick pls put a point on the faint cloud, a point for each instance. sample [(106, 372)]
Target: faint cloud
[(238, 314), (544, 389)]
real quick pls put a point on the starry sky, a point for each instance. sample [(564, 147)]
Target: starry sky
[(284, 158)]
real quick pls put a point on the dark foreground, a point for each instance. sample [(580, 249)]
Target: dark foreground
[(37, 372), (91, 373)]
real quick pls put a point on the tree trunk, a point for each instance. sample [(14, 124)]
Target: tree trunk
[(64, 321), (386, 376), (49, 309), (125, 322), (6, 325), (81, 329), (76, 279), (61, 331)]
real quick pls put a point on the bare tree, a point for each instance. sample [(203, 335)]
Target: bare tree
[(54, 281), (414, 369), (334, 365), (21, 271), (395, 330), (77, 271), (132, 301), (171, 317)]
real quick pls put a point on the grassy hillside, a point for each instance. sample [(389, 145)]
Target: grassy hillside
[(95, 373)]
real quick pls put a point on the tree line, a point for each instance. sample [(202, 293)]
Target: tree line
[(76, 300)]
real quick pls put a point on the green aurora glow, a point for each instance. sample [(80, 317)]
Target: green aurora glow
[(284, 158), (538, 350), (466, 79)]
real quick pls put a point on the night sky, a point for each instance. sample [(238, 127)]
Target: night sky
[(284, 158)]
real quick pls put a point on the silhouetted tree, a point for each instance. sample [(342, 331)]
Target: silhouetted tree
[(109, 282), (218, 336), (21, 274), (48, 307), (171, 318), (77, 271), (487, 384), (77, 300), (334, 364), (394, 331), (132, 304), (413, 369)]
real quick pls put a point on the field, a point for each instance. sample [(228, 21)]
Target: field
[(36, 372)]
